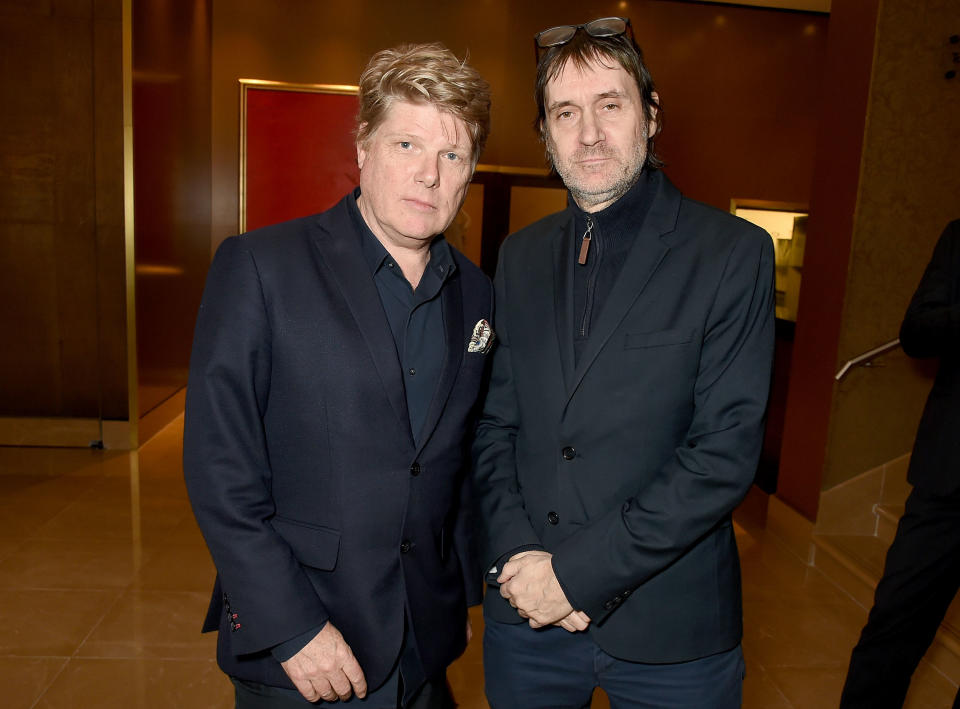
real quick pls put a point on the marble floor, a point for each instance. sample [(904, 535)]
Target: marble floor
[(104, 580)]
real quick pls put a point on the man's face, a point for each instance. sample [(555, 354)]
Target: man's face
[(414, 172), (595, 130)]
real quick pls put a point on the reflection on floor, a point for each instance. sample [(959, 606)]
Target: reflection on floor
[(104, 580)]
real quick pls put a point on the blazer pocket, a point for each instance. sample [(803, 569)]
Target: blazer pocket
[(312, 545), (660, 338)]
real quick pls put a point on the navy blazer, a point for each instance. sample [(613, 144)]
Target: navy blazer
[(302, 471), (627, 465), (931, 328)]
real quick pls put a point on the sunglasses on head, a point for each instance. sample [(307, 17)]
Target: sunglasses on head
[(560, 35)]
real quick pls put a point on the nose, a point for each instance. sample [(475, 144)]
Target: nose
[(428, 171), (591, 132)]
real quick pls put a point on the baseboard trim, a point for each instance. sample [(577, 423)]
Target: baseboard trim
[(792, 529), (56, 432), (159, 416)]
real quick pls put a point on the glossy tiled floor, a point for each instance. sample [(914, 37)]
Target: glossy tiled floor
[(104, 580)]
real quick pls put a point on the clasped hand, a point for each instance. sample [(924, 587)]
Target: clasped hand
[(528, 582)]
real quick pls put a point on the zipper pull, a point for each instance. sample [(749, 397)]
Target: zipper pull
[(585, 242)]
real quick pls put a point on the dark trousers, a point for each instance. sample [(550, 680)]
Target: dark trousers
[(920, 578), (435, 694), (553, 669)]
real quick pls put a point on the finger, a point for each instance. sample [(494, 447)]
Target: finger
[(522, 613), (324, 690), (509, 570), (534, 624), (353, 672), (576, 621), (565, 624), (582, 619), (306, 689), (341, 685)]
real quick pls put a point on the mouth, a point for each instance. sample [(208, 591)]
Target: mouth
[(419, 205), (593, 163)]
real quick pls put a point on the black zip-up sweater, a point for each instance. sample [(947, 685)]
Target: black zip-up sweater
[(612, 232)]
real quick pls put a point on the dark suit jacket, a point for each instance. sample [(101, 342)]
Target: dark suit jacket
[(627, 466), (304, 477), (931, 328)]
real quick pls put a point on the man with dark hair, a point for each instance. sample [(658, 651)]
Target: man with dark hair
[(336, 366), (625, 414), (921, 574)]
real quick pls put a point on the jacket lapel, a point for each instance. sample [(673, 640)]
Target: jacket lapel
[(563, 298), (648, 250), (336, 239), (451, 300)]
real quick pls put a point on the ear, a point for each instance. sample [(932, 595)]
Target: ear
[(361, 148), (361, 154), (654, 110)]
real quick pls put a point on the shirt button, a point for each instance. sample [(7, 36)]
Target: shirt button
[(415, 469), (553, 517), (412, 371), (569, 453), (405, 546)]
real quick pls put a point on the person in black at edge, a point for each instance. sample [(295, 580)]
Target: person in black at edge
[(922, 571)]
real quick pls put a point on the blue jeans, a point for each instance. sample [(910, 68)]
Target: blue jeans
[(553, 669)]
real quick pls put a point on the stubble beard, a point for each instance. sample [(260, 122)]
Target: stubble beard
[(608, 191)]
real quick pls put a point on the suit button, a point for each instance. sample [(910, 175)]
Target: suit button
[(569, 453), (415, 469), (608, 605), (553, 517), (405, 546)]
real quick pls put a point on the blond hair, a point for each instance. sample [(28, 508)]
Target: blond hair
[(424, 73)]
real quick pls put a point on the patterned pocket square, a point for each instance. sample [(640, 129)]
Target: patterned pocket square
[(482, 338)]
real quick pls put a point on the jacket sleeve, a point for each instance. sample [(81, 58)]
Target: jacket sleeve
[(226, 463), (931, 327), (711, 471), (505, 525)]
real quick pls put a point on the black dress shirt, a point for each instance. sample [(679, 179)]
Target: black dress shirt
[(415, 316)]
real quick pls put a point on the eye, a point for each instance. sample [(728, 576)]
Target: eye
[(611, 107), (564, 114), (452, 157), (405, 144)]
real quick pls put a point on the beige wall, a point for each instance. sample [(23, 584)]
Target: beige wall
[(64, 350), (909, 190)]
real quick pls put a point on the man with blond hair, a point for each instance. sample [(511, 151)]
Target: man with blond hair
[(336, 364)]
